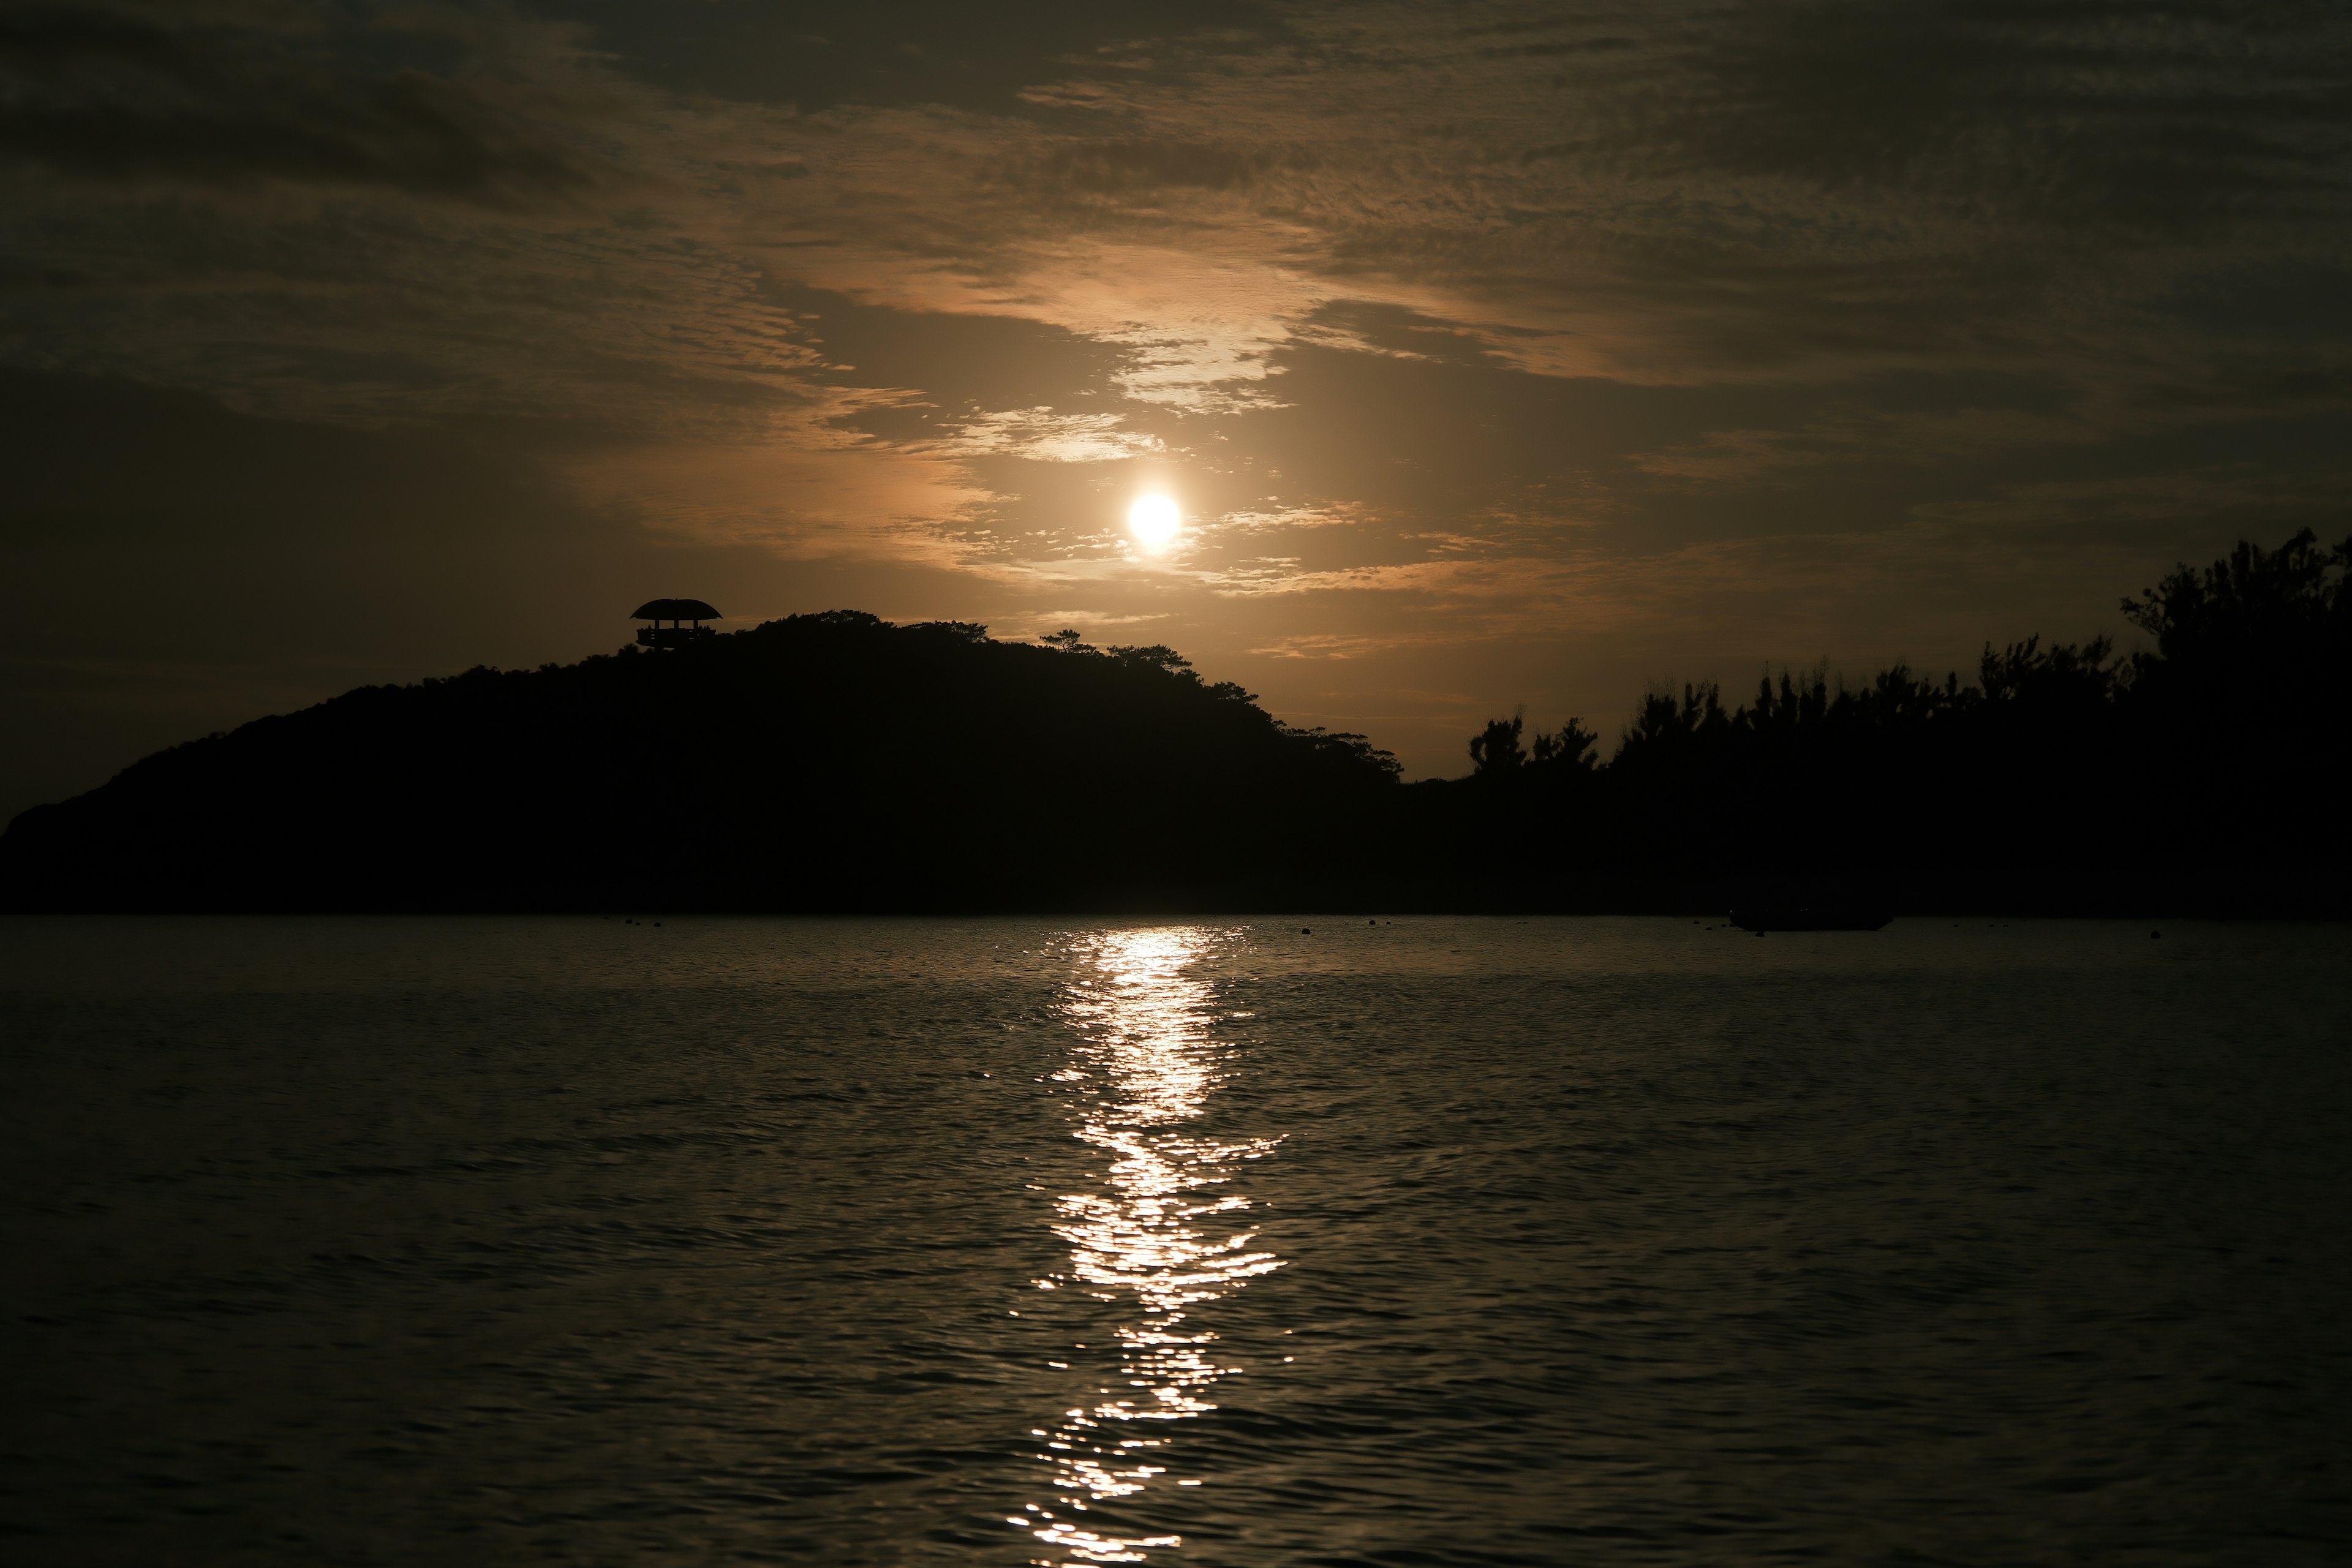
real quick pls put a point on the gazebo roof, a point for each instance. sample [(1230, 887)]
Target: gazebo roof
[(677, 610)]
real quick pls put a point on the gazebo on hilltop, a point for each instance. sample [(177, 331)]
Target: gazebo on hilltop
[(685, 617)]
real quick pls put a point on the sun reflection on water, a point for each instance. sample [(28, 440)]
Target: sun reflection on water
[(1161, 1235)]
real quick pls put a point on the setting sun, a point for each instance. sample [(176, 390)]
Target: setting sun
[(1154, 519)]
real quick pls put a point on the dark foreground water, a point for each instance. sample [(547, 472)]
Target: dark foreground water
[(1450, 1241)]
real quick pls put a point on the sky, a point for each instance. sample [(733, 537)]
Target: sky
[(1499, 357)]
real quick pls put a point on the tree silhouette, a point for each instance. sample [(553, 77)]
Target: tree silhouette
[(1496, 748)]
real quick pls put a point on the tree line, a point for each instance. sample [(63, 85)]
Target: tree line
[(2206, 769), (836, 761)]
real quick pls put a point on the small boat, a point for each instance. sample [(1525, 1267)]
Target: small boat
[(1761, 918)]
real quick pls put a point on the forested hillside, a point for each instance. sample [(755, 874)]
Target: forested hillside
[(827, 761)]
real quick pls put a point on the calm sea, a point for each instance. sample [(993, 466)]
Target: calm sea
[(1438, 1241)]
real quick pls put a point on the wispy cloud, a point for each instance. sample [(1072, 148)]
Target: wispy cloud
[(1041, 434)]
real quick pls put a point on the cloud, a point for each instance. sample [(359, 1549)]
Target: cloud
[(1130, 167), (801, 498), (2073, 114), (133, 95), (818, 55), (1041, 435), (1333, 645), (1285, 518)]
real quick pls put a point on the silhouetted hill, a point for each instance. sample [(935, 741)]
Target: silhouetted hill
[(828, 761)]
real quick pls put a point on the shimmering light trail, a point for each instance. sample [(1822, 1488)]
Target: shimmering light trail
[(1161, 1235)]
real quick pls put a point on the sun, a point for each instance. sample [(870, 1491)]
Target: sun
[(1154, 519)]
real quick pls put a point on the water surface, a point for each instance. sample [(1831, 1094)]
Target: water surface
[(1443, 1241)]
